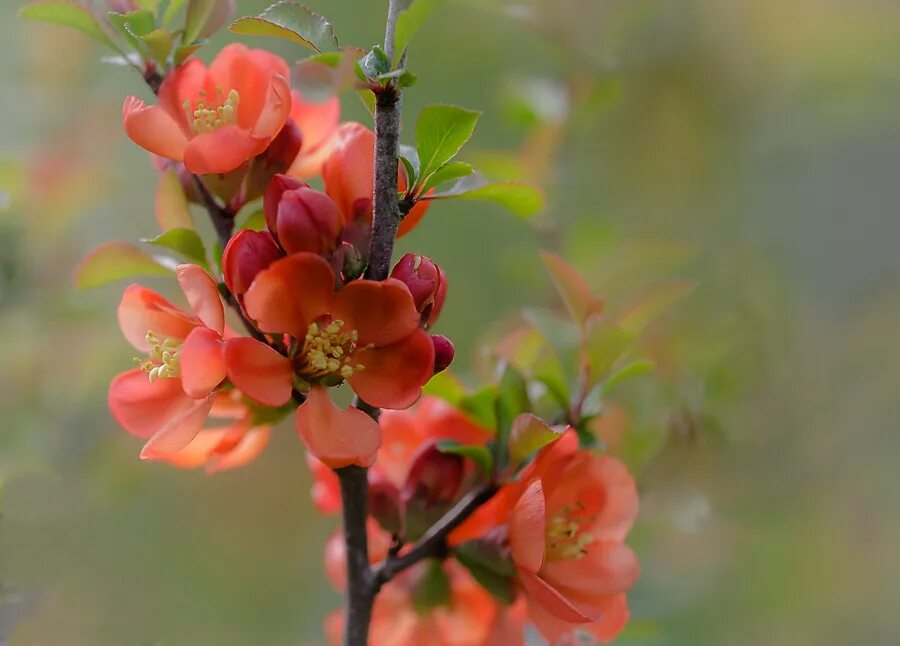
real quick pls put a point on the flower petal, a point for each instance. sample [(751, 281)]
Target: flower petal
[(606, 568), (142, 310), (393, 375), (185, 84), (557, 631), (348, 169), (203, 295), (247, 449), (221, 151), (259, 371), (383, 312), (275, 110), (542, 594), (142, 408), (196, 453), (290, 294), (527, 528), (318, 122), (337, 437), (151, 128), (202, 362), (179, 432)]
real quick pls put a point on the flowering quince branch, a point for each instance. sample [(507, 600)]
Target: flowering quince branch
[(463, 511)]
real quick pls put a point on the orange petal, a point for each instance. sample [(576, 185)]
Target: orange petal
[(247, 449), (179, 432), (326, 489), (442, 421), (151, 128), (221, 151), (202, 362), (527, 528), (290, 294), (548, 598), (401, 438), (337, 437), (259, 371), (382, 312), (183, 84), (249, 71), (604, 630), (318, 122), (142, 310), (348, 171), (203, 295), (196, 453), (393, 375), (143, 408), (606, 568), (275, 110)]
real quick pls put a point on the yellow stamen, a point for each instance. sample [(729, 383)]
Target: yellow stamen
[(207, 119), (565, 539), (163, 361), (328, 351)]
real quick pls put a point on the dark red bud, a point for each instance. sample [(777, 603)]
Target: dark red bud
[(272, 197), (434, 478), (443, 352), (308, 220), (384, 503), (284, 149), (245, 255), (439, 298), (425, 282)]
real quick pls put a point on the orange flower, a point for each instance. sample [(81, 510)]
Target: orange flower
[(214, 119), (567, 518), (168, 397), (349, 174), (318, 123), (367, 332), (403, 433)]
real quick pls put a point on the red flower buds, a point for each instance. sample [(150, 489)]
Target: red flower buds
[(245, 255), (443, 352), (434, 478), (284, 148), (426, 282), (300, 218), (384, 503)]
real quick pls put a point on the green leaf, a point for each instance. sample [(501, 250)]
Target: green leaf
[(476, 453), (655, 303), (70, 14), (450, 171), (159, 42), (441, 131), (375, 63), (148, 5), (493, 570), (183, 52), (519, 197), (632, 369), (446, 386), (572, 288), (198, 14), (115, 261), (255, 221), (409, 157), (605, 343), (183, 241), (480, 407), (512, 400), (171, 10), (432, 587), (528, 434), (291, 21), (132, 25), (410, 20)]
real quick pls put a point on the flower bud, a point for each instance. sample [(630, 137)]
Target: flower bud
[(245, 255), (384, 503), (302, 219), (443, 352), (284, 148), (434, 477), (353, 264), (426, 283)]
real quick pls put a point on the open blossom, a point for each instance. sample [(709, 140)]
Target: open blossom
[(349, 175), (167, 398), (318, 124), (366, 333), (566, 520), (214, 119)]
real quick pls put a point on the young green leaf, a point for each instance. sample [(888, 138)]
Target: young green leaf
[(512, 400), (441, 131), (374, 63), (480, 407), (528, 434), (184, 241), (520, 198), (447, 387), (70, 14), (410, 20), (633, 369), (572, 288), (159, 42), (198, 14), (432, 587), (450, 171), (605, 343), (132, 26), (493, 569), (292, 21), (171, 10), (409, 157), (476, 453), (255, 221), (117, 261)]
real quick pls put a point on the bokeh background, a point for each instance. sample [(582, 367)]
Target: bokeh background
[(751, 145)]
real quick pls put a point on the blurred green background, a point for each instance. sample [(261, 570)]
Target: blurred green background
[(752, 146)]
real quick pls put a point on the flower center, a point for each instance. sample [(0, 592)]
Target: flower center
[(207, 119), (163, 360), (328, 351), (566, 541)]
